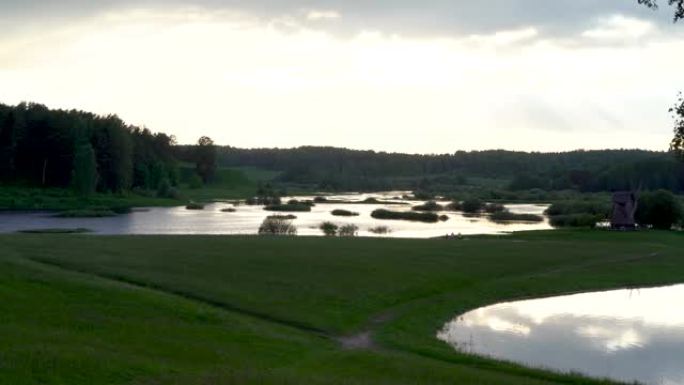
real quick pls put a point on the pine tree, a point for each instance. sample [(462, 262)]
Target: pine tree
[(84, 177)]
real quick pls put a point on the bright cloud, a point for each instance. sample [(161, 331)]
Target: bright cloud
[(322, 15), (620, 27), (254, 82)]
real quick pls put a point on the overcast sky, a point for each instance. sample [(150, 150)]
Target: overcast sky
[(428, 76)]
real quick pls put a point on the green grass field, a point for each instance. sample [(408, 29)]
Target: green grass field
[(80, 309)]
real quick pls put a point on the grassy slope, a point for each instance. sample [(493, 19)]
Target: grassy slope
[(83, 328)]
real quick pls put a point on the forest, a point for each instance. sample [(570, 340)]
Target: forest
[(40, 147), (586, 171)]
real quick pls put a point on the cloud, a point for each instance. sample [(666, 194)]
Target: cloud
[(446, 75), (620, 27), (506, 37), (405, 17), (322, 15)]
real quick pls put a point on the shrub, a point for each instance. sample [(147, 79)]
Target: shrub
[(285, 217), (429, 206), (423, 195), (229, 210), (194, 206), (297, 202), (578, 213), (277, 226), (579, 207), (659, 209), (371, 201), (290, 207), (405, 215), (443, 218), (492, 208), (263, 200), (472, 206), (575, 220), (344, 213), (454, 206), (380, 230), (349, 230), (86, 213), (329, 229), (320, 199), (507, 216)]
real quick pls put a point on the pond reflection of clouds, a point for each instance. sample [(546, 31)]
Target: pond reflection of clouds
[(624, 335), (246, 220)]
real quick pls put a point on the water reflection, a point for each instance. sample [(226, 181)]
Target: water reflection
[(625, 335), (246, 220)]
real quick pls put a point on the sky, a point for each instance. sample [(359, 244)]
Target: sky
[(429, 76)]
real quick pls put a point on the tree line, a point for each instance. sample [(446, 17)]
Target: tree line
[(84, 151), (344, 169), (87, 152)]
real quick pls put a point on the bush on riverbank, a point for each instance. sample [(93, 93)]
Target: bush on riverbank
[(194, 206), (263, 200), (493, 208), (284, 217), (472, 206), (405, 215), (344, 213), (277, 226), (350, 230), (380, 230), (429, 206), (580, 207), (298, 202), (578, 213), (289, 207), (507, 216), (96, 213), (329, 229), (575, 220)]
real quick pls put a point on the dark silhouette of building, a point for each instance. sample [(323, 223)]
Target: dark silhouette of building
[(624, 209)]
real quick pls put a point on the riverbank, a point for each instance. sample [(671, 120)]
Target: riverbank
[(229, 184), (169, 316)]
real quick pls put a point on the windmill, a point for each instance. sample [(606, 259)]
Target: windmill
[(624, 209)]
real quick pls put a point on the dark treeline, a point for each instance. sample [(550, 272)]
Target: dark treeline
[(343, 169), (80, 150)]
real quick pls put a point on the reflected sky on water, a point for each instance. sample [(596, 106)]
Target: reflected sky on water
[(625, 335), (246, 220)]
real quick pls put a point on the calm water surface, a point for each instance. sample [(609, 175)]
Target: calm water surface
[(624, 335), (246, 220)]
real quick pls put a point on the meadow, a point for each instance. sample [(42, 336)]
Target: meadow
[(81, 309)]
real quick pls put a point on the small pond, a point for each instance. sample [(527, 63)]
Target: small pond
[(246, 219), (624, 335)]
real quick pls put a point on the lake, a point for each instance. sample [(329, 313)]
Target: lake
[(624, 335), (246, 220)]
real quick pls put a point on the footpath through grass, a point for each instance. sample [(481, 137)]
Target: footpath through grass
[(80, 309)]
